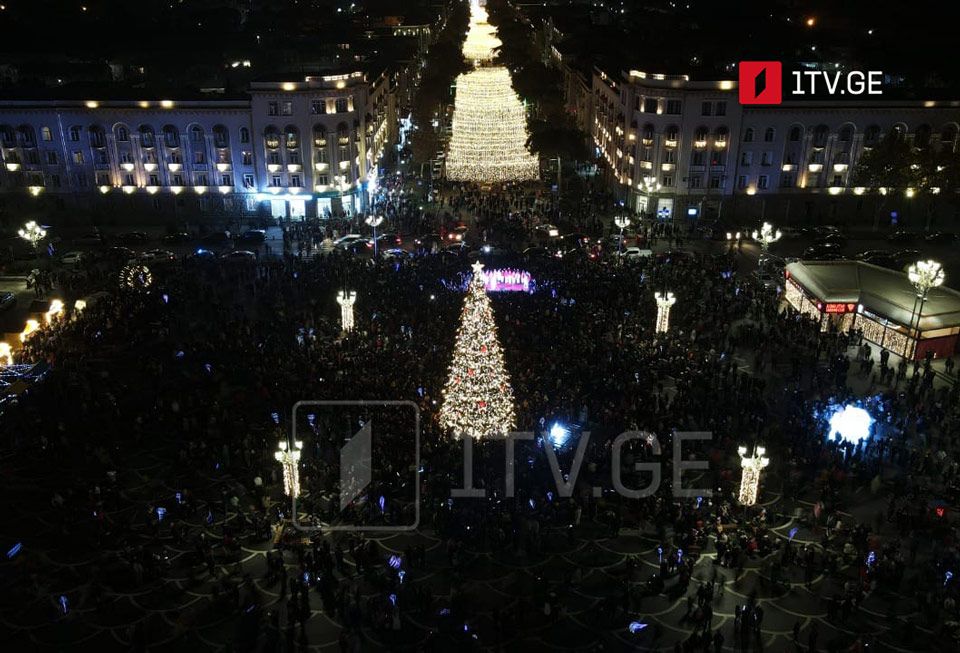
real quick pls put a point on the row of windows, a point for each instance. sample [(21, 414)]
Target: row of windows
[(104, 179), (317, 107)]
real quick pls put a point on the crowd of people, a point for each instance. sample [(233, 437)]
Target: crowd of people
[(205, 366)]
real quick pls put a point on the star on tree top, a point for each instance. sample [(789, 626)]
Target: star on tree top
[(477, 267)]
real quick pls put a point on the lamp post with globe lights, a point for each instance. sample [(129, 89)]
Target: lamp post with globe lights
[(374, 221), (750, 481), (924, 275), (289, 459), (623, 222), (33, 234), (766, 236)]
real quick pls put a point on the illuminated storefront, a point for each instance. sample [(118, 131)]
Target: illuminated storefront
[(883, 303)]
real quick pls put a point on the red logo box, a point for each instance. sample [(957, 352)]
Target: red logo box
[(760, 82)]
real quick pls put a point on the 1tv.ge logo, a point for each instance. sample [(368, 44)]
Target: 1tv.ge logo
[(761, 82)]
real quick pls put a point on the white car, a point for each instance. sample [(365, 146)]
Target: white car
[(72, 258), (636, 252), (345, 241)]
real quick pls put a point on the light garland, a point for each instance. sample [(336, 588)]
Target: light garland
[(750, 481), (478, 398), (488, 144), (289, 459), (346, 301), (136, 277), (664, 302), (489, 130)]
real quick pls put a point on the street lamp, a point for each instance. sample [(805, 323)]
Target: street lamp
[(766, 236), (924, 275), (374, 221), (33, 233), (664, 301), (346, 301), (623, 222), (649, 185), (750, 481), (289, 459)]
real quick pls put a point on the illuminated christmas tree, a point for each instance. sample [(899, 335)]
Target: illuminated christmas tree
[(489, 120), (478, 399)]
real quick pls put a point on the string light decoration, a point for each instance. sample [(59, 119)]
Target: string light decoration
[(488, 144), (478, 398), (750, 481), (289, 459), (664, 302), (136, 277), (346, 301), (6, 354)]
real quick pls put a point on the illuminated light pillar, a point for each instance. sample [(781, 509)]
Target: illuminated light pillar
[(750, 481), (346, 301), (289, 459), (664, 302), (623, 222)]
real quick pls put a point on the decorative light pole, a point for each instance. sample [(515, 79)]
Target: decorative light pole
[(649, 186), (924, 275), (33, 233), (766, 236), (623, 222), (289, 459), (374, 221), (346, 300), (664, 301), (750, 481)]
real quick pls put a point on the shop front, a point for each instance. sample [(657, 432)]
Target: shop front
[(844, 295)]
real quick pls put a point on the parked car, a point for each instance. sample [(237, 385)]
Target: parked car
[(7, 300), (818, 251), (358, 246), (395, 254), (204, 255), (386, 240), (903, 236), (832, 238), (941, 237), (457, 248), (545, 231), (253, 236), (766, 279), (175, 238), (343, 241), (91, 238), (636, 253), (428, 242), (120, 253), (239, 256), (72, 258), (157, 256), (215, 238), (570, 241), (535, 253), (133, 237), (868, 254)]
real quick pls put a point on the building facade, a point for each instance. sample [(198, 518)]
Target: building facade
[(298, 149), (674, 147)]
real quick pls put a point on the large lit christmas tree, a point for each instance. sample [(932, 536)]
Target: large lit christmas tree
[(478, 399), (489, 120)]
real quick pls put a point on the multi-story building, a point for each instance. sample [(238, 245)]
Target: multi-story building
[(674, 146), (294, 149)]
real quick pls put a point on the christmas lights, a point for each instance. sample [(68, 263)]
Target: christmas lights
[(664, 302), (346, 301), (136, 277), (6, 355), (489, 121), (28, 329), (55, 311), (478, 399), (289, 459), (750, 481)]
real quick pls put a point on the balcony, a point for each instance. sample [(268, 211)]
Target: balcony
[(666, 167), (698, 167), (101, 166), (670, 142)]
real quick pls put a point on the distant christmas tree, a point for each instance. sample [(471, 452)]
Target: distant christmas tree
[(478, 399)]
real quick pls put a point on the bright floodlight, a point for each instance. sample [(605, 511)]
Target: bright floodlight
[(851, 424), (559, 434)]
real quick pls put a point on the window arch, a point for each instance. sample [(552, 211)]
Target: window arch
[(820, 135), (921, 136), (171, 136), (196, 134), (244, 135), (871, 135), (948, 136), (291, 137), (147, 136), (221, 137), (46, 134), (700, 137), (720, 135), (748, 135), (898, 132), (271, 137), (647, 132), (845, 135), (769, 135), (27, 136), (8, 136), (123, 134), (96, 134), (672, 133), (319, 135), (75, 132), (796, 133)]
